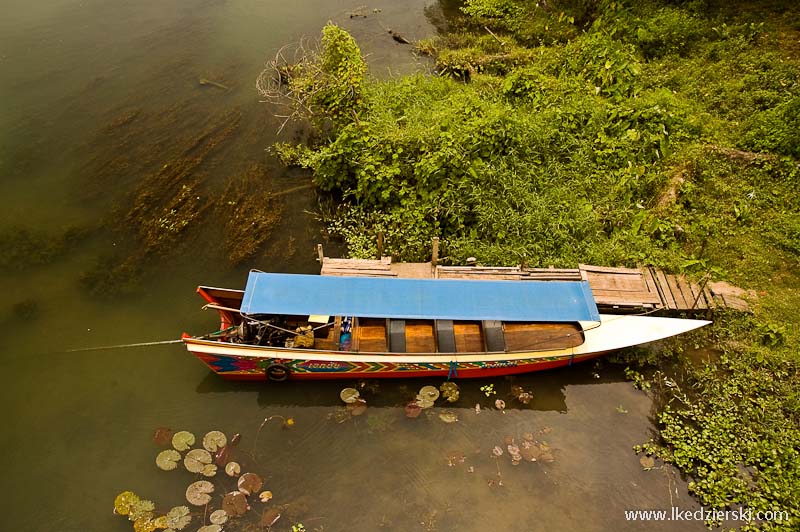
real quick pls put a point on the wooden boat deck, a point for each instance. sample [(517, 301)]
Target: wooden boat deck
[(616, 290)]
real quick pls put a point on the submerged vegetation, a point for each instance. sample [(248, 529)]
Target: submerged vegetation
[(617, 133)]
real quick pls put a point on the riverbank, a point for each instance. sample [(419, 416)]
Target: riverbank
[(617, 134)]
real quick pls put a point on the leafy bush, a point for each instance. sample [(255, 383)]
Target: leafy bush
[(775, 130)]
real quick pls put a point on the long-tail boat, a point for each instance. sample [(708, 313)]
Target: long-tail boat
[(291, 326)]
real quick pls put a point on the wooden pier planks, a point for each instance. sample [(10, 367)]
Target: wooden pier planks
[(614, 289)]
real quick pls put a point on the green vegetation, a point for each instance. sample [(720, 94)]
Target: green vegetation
[(616, 133)]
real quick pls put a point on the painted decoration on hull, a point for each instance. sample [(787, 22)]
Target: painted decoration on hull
[(243, 365)]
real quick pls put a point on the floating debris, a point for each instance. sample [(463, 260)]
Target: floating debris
[(424, 401), (448, 416), (199, 493), (455, 458), (500, 404), (249, 483), (497, 451), (163, 436), (413, 410), (232, 469), (269, 517), (218, 517), (429, 392), (488, 390), (647, 462), (235, 503), (514, 453), (214, 441), (265, 496), (477, 408), (521, 395), (196, 460), (349, 395), (210, 528), (358, 407), (178, 517), (182, 440), (168, 460), (450, 391)]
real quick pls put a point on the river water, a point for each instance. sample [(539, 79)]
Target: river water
[(114, 168)]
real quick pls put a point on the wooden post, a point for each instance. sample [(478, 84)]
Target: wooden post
[(380, 245), (435, 252), (320, 254), (700, 291)]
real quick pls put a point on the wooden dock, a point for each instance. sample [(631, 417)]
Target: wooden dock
[(616, 290)]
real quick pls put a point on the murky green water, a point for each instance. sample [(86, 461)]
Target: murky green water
[(98, 97)]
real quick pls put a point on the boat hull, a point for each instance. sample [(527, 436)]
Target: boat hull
[(247, 362)]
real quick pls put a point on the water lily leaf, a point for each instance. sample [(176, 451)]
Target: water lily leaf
[(163, 436), (198, 493), (497, 451), (514, 452), (358, 407), (448, 417), (500, 404), (210, 528), (196, 460), (141, 510), (168, 460), (249, 483), (161, 522), (647, 462), (209, 470), (528, 436), (265, 496), (179, 517), (450, 391), (349, 395), (182, 440), (144, 524), (269, 517), (124, 501), (413, 410), (219, 517), (214, 440), (429, 392), (235, 503), (232, 469), (424, 401)]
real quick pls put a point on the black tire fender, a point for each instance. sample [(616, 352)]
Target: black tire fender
[(277, 372)]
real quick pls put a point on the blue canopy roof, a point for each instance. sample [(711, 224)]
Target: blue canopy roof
[(450, 299)]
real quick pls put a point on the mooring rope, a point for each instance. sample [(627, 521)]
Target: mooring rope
[(121, 346)]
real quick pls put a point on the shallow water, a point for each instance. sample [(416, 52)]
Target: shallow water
[(98, 97)]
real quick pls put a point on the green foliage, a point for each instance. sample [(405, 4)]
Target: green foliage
[(331, 85), (775, 130)]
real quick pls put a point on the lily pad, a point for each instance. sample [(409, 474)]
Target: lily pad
[(249, 483), (218, 517), (124, 501), (196, 460), (448, 416), (269, 517), (232, 469), (163, 436), (235, 503), (182, 440), (199, 493), (450, 391), (413, 410), (265, 496), (424, 401), (179, 517), (497, 451), (209, 470), (349, 395), (214, 440), (141, 510), (210, 528), (168, 460), (647, 462), (430, 392), (144, 524)]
